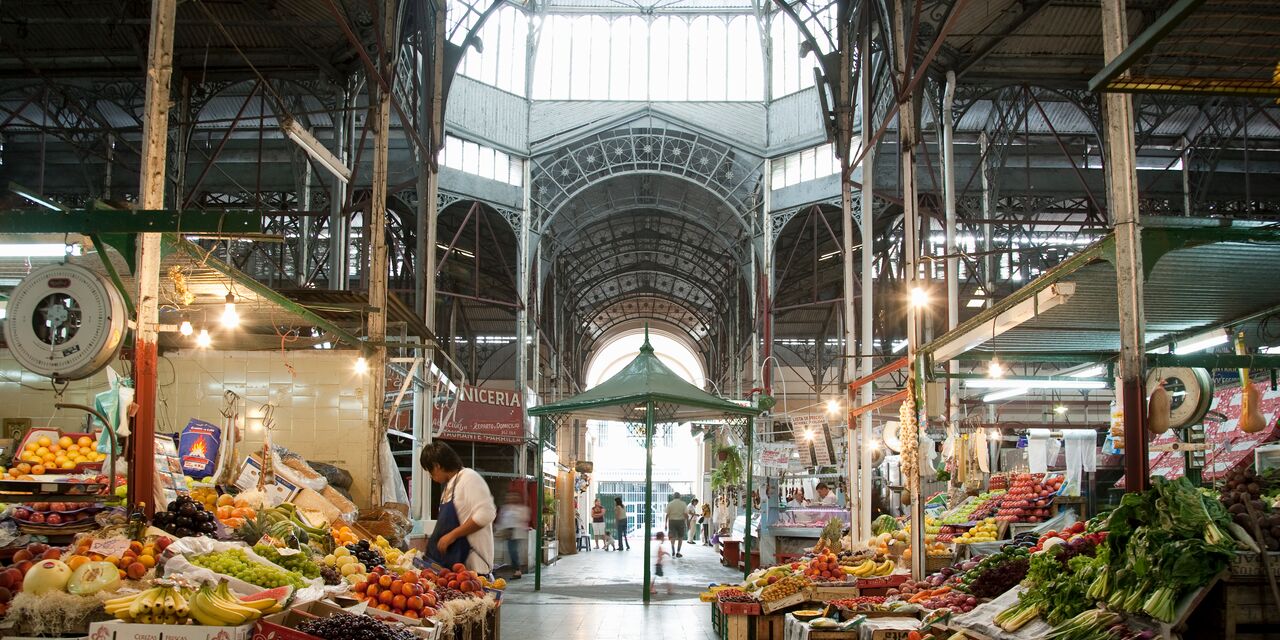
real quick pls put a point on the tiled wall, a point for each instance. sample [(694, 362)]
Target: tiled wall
[(320, 404)]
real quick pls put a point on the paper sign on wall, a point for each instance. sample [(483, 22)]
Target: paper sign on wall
[(776, 455)]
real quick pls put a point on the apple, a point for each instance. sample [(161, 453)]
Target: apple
[(53, 518), (22, 513), (40, 506), (37, 518)]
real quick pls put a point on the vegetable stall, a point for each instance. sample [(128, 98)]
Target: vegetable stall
[(1034, 511)]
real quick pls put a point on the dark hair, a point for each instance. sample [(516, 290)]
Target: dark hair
[(822, 485), (439, 453), (617, 501), (659, 535)]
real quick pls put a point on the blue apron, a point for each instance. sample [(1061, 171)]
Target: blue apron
[(448, 521)]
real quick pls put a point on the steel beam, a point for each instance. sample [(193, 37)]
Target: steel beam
[(1122, 203), (155, 137), (91, 221), (1119, 62)]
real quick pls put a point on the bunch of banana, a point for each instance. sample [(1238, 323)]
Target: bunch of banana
[(219, 608), (870, 568), (157, 605)]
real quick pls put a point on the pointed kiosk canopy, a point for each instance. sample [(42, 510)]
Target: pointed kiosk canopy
[(623, 397), (645, 392)]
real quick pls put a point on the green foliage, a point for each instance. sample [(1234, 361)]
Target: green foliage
[(729, 471)]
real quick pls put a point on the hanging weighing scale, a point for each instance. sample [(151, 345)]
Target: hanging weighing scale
[(64, 322)]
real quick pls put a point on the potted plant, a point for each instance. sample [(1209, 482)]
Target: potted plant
[(729, 471)]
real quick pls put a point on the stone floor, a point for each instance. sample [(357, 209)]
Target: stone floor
[(597, 594)]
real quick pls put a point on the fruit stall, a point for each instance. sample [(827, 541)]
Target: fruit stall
[(221, 562)]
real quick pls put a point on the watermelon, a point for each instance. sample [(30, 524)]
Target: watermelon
[(280, 594), (884, 524)]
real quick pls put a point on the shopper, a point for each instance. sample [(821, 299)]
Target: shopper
[(464, 527), (660, 563), (676, 523), (513, 522), (690, 518), (620, 519), (704, 523), (597, 523)]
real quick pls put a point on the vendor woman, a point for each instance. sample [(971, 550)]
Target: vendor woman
[(464, 528)]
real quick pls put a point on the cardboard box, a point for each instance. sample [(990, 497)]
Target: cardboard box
[(117, 630), (284, 625)]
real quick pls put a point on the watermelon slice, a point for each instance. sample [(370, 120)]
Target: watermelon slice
[(281, 595)]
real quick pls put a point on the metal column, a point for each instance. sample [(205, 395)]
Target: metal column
[(907, 132), (539, 542), (338, 196), (1122, 201), (866, 345), (377, 322), (155, 136), (952, 251), (648, 498)]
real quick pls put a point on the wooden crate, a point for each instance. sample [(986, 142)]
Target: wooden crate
[(1247, 602), (1249, 565), (829, 592), (739, 608), (736, 628), (770, 627), (790, 601)]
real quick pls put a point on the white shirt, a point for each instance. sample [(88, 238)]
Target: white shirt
[(829, 501), (514, 517), (472, 499)]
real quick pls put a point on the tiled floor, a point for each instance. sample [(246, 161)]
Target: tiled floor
[(597, 595)]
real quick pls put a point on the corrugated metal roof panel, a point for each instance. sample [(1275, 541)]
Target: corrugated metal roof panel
[(488, 114), (1189, 289), (795, 122), (741, 123)]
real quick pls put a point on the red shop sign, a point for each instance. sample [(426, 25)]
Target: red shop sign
[(482, 415)]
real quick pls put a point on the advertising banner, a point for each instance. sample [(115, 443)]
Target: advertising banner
[(481, 415)]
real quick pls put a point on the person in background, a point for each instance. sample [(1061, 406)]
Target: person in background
[(597, 523), (795, 498), (620, 519), (513, 521), (704, 523), (676, 523), (464, 529), (826, 497), (660, 562), (690, 520)]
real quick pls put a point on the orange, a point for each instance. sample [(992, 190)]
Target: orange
[(43, 450), (55, 448), (30, 446), (44, 441), (67, 465), (225, 512), (23, 468), (84, 441), (74, 562), (37, 470), (65, 441), (147, 561)]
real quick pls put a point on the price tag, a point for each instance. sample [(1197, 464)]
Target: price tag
[(110, 546)]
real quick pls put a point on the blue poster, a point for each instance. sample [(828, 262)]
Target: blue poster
[(198, 448)]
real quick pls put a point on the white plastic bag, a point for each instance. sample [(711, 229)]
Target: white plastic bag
[(194, 546)]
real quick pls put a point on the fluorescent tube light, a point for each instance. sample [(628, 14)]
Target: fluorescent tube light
[(1003, 395), (1091, 372), (317, 151), (975, 303), (989, 383), (35, 197), (37, 250), (1201, 342)]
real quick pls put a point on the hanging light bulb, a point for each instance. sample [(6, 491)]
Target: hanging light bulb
[(833, 406), (1060, 409), (230, 319), (919, 297), (185, 327), (808, 435), (203, 341), (995, 369), (362, 365)]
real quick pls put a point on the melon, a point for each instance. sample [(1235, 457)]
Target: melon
[(46, 576), (279, 594), (92, 577)]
